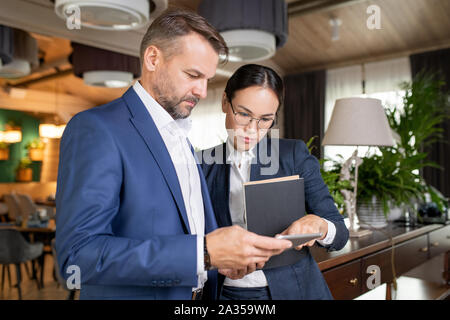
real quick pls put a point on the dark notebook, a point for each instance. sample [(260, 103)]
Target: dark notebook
[(271, 206)]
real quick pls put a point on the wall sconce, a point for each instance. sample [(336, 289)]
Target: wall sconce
[(11, 134), (47, 130)]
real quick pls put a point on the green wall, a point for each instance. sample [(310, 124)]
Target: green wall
[(30, 131)]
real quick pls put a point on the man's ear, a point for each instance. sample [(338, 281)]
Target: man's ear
[(152, 56), (224, 102)]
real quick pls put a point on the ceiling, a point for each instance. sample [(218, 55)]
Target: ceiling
[(407, 26)]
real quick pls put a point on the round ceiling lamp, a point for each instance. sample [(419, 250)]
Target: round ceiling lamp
[(24, 58), (109, 79), (252, 29), (16, 69), (103, 68), (111, 14), (6, 45)]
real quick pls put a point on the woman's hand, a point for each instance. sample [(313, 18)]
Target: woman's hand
[(310, 223)]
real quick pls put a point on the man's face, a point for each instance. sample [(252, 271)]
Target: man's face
[(180, 80)]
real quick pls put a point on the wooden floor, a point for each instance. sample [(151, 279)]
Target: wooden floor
[(50, 291)]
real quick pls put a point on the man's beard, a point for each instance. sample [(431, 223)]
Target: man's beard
[(172, 106), (171, 103)]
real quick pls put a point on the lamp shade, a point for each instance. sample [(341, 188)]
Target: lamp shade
[(99, 67), (110, 14), (25, 56), (12, 136), (252, 29), (6, 44), (47, 130), (358, 122)]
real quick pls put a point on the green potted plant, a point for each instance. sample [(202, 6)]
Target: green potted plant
[(331, 178), (392, 177), (4, 151), (35, 149), (24, 171)]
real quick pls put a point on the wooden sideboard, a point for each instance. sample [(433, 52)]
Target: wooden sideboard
[(395, 250)]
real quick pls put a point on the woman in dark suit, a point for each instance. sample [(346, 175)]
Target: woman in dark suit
[(251, 99)]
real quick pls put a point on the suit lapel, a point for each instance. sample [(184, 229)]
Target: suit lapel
[(146, 127), (220, 187), (262, 148), (210, 221)]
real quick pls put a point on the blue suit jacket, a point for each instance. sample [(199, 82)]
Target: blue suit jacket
[(120, 211), (302, 280)]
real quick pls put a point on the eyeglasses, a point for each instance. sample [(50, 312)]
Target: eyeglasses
[(244, 119)]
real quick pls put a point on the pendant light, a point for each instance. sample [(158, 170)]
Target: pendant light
[(103, 68), (24, 58), (252, 29), (111, 14)]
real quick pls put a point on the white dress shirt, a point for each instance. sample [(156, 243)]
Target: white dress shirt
[(174, 134), (240, 165)]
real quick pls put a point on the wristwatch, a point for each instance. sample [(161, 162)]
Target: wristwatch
[(206, 257)]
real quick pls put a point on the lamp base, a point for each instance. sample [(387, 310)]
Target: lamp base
[(357, 233)]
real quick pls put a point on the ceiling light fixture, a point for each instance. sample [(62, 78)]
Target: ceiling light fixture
[(253, 32), (103, 68), (52, 131), (111, 14), (25, 54)]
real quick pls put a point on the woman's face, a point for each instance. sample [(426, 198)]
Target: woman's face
[(255, 102)]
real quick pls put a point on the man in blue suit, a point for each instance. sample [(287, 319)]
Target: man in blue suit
[(133, 209)]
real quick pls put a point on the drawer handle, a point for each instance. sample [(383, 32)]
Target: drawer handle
[(435, 244), (354, 281), (425, 249)]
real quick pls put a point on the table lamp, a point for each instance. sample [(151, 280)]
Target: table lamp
[(357, 122)]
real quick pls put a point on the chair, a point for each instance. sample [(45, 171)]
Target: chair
[(14, 249), (3, 211), (59, 278), (12, 201), (29, 208)]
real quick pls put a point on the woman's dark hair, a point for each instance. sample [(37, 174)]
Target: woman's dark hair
[(250, 75)]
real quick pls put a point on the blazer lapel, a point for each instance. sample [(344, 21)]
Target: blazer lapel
[(146, 127), (219, 180), (263, 147), (210, 220)]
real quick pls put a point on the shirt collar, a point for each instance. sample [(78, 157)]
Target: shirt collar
[(236, 156), (160, 116)]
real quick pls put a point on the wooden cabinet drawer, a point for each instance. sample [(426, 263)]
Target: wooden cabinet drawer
[(410, 254), (439, 241), (381, 259), (344, 281)]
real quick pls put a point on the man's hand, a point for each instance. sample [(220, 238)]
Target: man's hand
[(240, 273), (310, 223), (236, 248)]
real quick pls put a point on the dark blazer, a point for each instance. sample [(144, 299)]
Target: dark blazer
[(302, 280), (120, 211)]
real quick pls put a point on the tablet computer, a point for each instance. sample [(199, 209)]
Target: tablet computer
[(298, 239)]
